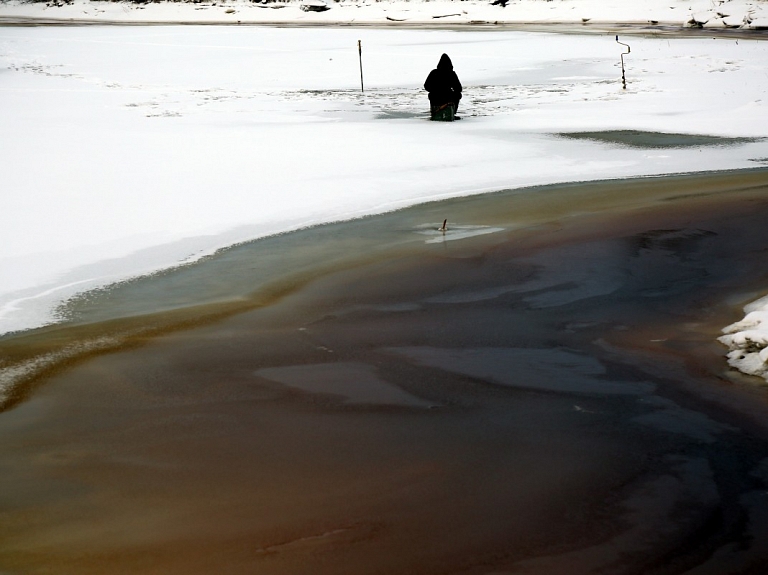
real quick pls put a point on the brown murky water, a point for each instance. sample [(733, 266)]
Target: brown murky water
[(537, 390)]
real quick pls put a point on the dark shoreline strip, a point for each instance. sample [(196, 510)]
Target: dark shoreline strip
[(585, 28)]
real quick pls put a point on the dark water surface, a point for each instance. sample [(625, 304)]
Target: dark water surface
[(537, 390)]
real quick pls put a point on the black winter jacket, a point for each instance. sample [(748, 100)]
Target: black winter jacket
[(443, 84)]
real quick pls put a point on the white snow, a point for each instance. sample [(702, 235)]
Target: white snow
[(748, 340), (746, 14), (128, 149)]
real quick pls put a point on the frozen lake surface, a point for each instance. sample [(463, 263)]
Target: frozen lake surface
[(128, 150)]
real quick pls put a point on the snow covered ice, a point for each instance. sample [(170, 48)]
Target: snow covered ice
[(744, 14), (127, 150)]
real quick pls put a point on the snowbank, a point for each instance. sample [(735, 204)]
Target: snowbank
[(748, 340)]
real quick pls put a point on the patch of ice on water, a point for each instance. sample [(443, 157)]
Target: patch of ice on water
[(671, 418), (554, 370), (357, 383), (454, 232)]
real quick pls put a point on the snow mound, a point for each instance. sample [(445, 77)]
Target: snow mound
[(748, 340)]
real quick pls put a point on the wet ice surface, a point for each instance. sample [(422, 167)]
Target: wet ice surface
[(688, 493), (563, 275), (133, 149), (652, 140), (542, 369), (684, 455), (356, 383)]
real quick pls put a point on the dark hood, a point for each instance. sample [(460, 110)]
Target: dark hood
[(445, 63)]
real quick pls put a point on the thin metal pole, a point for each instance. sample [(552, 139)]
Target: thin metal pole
[(360, 55)]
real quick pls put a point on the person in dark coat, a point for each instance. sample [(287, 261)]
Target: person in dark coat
[(443, 85)]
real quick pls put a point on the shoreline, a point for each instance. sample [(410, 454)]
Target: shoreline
[(580, 16), (34, 355), (670, 29), (513, 109), (461, 394)]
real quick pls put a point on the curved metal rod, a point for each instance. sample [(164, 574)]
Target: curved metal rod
[(623, 78)]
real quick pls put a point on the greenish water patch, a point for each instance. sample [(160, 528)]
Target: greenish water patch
[(655, 140)]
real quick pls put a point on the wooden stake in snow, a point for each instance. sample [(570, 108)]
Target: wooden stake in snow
[(623, 79), (360, 55)]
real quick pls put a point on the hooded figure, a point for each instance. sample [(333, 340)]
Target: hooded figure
[(443, 85)]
